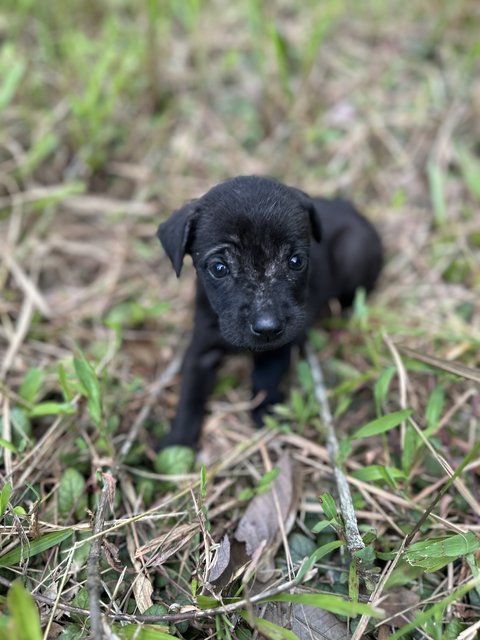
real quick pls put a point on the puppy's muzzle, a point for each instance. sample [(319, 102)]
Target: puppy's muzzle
[(267, 326)]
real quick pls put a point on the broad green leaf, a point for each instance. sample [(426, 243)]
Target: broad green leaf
[(72, 632), (175, 460), (21, 426), (26, 620), (453, 629), (207, 602), (246, 494), (87, 376), (5, 497), (267, 478), (300, 546), (381, 425), (321, 525), (434, 554), (8, 445), (156, 610), (30, 387), (21, 553), (375, 472), (51, 409), (329, 602), (70, 491), (316, 556), (267, 628), (329, 507), (64, 383)]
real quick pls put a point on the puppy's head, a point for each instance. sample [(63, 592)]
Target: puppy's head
[(250, 240)]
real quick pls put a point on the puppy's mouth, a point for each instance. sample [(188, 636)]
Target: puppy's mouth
[(257, 343), (267, 345)]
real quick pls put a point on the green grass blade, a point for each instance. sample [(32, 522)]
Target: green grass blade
[(330, 602), (381, 425), (22, 553), (89, 380)]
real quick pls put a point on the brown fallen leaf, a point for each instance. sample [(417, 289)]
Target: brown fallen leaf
[(142, 585), (259, 532), (306, 622), (259, 524), (222, 560), (267, 515)]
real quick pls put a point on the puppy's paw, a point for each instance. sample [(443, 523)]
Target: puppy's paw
[(259, 413)]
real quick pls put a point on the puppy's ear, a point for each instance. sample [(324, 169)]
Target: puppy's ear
[(176, 233), (309, 206)]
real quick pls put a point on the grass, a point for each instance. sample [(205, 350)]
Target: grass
[(113, 114)]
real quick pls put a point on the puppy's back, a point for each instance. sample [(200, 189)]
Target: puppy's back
[(354, 248)]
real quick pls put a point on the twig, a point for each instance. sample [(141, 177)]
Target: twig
[(93, 566), (209, 613), (377, 592), (352, 535), (175, 617)]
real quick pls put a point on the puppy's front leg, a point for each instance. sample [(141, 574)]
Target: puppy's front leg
[(199, 371), (268, 371)]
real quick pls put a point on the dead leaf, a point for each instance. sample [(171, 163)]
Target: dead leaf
[(110, 482), (142, 586), (112, 554), (142, 591), (261, 525), (167, 544), (306, 622), (222, 560)]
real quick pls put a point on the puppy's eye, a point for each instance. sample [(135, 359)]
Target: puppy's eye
[(296, 262), (218, 269)]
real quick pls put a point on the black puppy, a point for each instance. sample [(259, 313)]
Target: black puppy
[(268, 260)]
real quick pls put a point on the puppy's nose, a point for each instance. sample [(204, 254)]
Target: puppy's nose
[(267, 325)]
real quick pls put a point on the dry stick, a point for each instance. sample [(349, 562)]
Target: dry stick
[(93, 573), (352, 535), (93, 567), (174, 617)]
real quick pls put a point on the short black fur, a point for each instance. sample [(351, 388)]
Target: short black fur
[(268, 259)]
